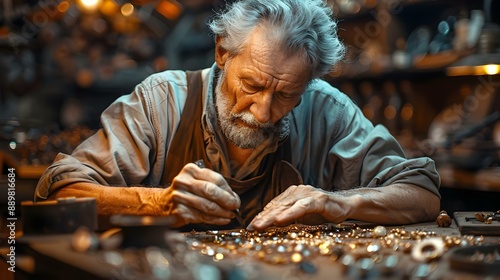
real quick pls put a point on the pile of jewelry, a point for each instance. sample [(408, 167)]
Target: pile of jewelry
[(346, 245), (275, 245)]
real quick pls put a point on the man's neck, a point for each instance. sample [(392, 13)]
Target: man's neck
[(237, 155)]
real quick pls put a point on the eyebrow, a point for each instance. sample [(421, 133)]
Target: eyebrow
[(254, 82)]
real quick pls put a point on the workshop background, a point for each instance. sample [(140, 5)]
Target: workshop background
[(427, 69)]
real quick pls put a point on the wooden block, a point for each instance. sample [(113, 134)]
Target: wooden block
[(469, 225)]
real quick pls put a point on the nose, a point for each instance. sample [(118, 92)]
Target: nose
[(261, 107)]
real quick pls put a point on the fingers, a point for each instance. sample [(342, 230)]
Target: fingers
[(210, 176), (300, 208), (201, 205), (186, 215), (208, 184), (199, 195), (282, 214), (292, 204)]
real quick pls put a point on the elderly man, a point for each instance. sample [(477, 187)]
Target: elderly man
[(279, 144)]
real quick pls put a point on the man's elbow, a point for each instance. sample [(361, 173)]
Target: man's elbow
[(432, 206)]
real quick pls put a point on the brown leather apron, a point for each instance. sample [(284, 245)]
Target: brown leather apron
[(275, 175)]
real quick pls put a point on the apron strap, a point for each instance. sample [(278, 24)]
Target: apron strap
[(189, 132)]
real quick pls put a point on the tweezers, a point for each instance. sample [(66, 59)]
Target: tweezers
[(201, 164)]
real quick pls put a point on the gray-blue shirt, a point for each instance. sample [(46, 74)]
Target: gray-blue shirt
[(334, 146)]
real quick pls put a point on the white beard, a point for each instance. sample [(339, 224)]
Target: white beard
[(241, 136)]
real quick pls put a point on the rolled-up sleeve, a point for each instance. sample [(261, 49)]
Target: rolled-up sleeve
[(129, 149), (384, 163), (339, 149)]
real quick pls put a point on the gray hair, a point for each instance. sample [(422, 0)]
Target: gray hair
[(302, 25)]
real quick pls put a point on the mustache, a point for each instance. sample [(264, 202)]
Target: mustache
[(249, 119)]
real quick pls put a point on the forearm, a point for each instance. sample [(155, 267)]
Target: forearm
[(394, 204), (115, 200)]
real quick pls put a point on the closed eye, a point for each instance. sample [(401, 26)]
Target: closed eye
[(250, 88), (286, 96)]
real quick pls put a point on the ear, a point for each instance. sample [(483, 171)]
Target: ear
[(221, 54)]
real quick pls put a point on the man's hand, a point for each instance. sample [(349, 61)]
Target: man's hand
[(392, 204), (198, 195), (303, 202)]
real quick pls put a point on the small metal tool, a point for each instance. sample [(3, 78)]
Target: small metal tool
[(201, 164)]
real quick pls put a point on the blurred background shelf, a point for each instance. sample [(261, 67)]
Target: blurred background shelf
[(426, 69), (487, 180), (23, 171)]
